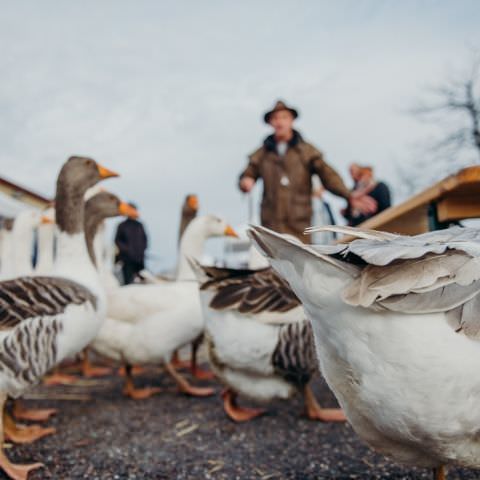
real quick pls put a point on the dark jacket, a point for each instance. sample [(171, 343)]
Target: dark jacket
[(381, 194), (287, 204), (132, 242)]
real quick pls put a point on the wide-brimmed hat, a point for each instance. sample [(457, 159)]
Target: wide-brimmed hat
[(277, 108)]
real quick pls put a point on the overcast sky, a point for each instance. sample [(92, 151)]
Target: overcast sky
[(171, 94)]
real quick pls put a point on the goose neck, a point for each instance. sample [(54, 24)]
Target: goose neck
[(191, 246)]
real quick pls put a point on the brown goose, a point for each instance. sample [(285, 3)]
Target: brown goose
[(98, 208), (189, 212), (46, 319), (259, 341)]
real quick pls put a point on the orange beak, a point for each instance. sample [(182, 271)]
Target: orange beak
[(127, 210), (192, 202), (105, 172), (46, 220), (230, 232)]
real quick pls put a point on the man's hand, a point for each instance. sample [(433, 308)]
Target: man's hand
[(246, 184), (360, 201)]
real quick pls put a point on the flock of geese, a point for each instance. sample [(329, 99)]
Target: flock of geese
[(391, 322)]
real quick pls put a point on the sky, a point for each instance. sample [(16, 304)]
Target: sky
[(172, 94)]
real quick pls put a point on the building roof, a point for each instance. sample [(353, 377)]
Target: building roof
[(24, 191)]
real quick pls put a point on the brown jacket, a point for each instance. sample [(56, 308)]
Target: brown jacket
[(287, 183)]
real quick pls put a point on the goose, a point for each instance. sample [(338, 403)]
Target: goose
[(46, 240), (259, 342), (45, 319), (21, 244), (189, 212), (98, 208), (100, 205), (6, 260), (396, 324), (192, 245), (146, 323), (19, 250)]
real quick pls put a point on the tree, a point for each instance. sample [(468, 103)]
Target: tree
[(455, 107), (452, 108)]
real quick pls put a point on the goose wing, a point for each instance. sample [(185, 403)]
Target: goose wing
[(433, 272), (249, 291), (24, 298)]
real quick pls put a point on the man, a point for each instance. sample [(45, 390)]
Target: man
[(286, 163), (131, 241)]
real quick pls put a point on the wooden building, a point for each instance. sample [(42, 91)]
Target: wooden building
[(14, 198)]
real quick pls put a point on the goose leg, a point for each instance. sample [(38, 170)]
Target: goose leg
[(36, 415), (23, 433), (177, 363), (13, 471), (315, 412), (185, 387), (198, 372), (439, 473), (58, 378), (88, 370), (135, 370), (236, 413), (136, 393)]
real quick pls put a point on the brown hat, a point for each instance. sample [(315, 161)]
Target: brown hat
[(277, 108)]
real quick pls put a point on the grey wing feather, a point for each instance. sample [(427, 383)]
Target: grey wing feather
[(433, 272), (249, 291), (294, 357), (417, 276), (465, 318), (26, 297)]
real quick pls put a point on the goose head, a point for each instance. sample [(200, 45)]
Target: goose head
[(106, 205), (77, 175), (192, 202), (99, 207), (214, 226), (193, 240), (82, 173)]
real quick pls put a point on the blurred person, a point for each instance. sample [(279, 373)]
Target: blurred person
[(131, 241), (364, 181), (286, 163)]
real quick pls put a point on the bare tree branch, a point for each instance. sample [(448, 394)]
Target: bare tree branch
[(455, 104)]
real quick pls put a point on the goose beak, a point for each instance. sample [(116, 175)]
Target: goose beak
[(105, 172), (46, 220), (127, 210), (193, 202), (230, 232)]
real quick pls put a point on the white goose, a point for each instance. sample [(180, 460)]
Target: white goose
[(260, 344), (6, 260), (397, 331), (46, 241), (21, 244), (46, 319), (147, 323)]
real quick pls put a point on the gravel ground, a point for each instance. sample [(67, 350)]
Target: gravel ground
[(171, 436)]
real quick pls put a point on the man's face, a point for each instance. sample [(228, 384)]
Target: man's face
[(282, 122)]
